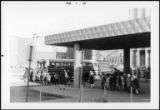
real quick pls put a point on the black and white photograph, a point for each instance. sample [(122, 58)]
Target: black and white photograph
[(80, 54)]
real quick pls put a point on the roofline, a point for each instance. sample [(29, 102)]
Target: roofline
[(132, 26)]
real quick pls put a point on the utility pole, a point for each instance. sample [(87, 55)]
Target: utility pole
[(28, 74), (81, 77)]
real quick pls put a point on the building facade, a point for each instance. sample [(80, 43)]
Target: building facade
[(115, 57), (139, 57), (19, 51), (69, 54)]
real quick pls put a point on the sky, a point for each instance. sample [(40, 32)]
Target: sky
[(23, 19)]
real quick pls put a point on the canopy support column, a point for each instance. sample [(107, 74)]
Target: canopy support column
[(77, 64), (126, 60), (147, 58)]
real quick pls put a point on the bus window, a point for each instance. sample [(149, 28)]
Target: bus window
[(84, 64), (71, 64), (68, 64), (88, 64), (95, 64), (51, 64), (64, 64), (57, 64)]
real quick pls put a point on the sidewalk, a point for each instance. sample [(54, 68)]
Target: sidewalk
[(91, 95), (70, 94)]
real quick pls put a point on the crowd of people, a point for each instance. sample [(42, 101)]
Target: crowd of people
[(61, 78), (116, 81), (120, 81)]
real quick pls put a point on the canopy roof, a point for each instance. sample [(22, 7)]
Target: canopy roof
[(131, 33)]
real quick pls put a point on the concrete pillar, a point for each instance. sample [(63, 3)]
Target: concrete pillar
[(147, 57), (132, 58), (141, 12), (126, 56), (77, 64), (138, 58), (149, 61), (135, 13), (94, 55)]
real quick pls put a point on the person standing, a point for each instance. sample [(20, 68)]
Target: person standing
[(56, 77), (62, 80), (119, 82), (91, 79), (26, 74), (69, 77), (45, 76), (128, 80), (135, 84), (41, 77), (34, 76), (52, 78), (103, 81), (111, 82), (66, 77), (107, 81), (48, 77), (38, 76), (125, 82), (115, 79), (31, 75)]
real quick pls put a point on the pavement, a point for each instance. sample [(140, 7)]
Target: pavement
[(52, 93)]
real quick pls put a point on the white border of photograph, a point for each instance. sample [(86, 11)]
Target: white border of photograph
[(5, 83)]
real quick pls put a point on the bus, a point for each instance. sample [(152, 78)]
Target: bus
[(56, 66)]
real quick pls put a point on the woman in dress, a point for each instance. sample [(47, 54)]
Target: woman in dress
[(26, 74), (91, 79)]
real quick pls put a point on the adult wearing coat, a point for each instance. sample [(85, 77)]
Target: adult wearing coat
[(91, 79), (103, 81), (62, 80)]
